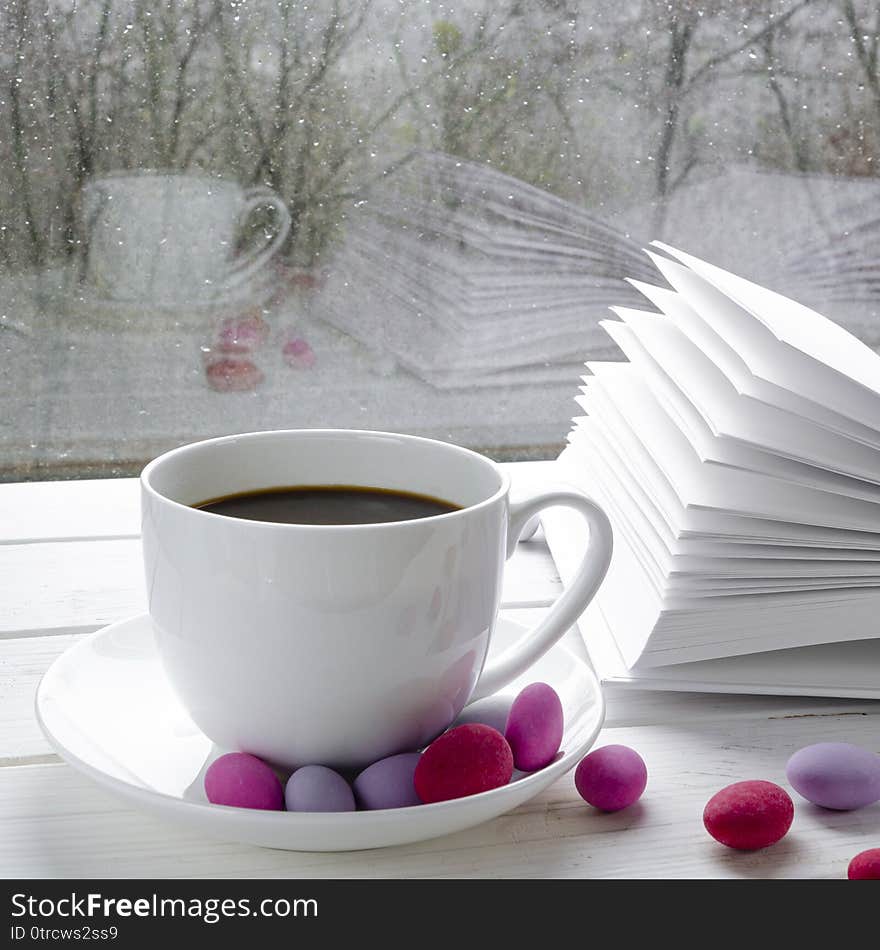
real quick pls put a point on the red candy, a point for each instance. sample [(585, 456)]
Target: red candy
[(749, 815), (467, 760), (228, 375), (865, 866)]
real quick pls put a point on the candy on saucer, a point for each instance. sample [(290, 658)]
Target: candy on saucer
[(388, 783), (243, 781), (317, 788), (534, 727), (466, 760)]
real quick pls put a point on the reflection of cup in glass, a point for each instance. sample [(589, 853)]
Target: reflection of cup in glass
[(171, 238)]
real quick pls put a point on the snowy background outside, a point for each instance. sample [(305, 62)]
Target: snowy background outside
[(467, 185)]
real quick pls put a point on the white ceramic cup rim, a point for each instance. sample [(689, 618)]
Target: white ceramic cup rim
[(158, 174), (175, 455)]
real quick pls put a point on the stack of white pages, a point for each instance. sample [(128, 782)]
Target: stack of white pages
[(468, 277), (737, 454)]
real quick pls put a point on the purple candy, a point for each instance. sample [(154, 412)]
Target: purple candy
[(534, 727), (244, 781), (835, 775), (388, 783), (611, 778), (317, 788)]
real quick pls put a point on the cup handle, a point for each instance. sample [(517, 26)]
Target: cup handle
[(255, 258), (569, 605)]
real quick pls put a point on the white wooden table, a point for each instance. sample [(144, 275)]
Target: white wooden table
[(70, 563)]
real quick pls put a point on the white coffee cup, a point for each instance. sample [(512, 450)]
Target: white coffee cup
[(340, 644), (154, 237)]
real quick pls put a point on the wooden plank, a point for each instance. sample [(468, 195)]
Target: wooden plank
[(72, 586), (75, 510), (57, 824), (22, 663), (110, 507)]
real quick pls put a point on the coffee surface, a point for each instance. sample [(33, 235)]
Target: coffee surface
[(327, 504)]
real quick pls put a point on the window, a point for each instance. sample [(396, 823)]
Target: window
[(225, 215)]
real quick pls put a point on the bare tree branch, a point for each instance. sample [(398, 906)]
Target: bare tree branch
[(866, 46), (752, 39), (197, 32)]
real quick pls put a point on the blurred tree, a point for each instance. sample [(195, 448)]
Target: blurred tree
[(865, 36), (730, 29)]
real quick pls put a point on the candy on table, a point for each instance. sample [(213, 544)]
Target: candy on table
[(388, 783), (317, 788), (243, 781), (749, 815), (865, 866), (232, 374), (298, 354), (534, 727), (611, 778), (835, 775), (242, 334), (466, 760)]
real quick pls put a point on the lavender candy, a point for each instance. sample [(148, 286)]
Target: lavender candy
[(835, 775), (388, 783), (317, 788)]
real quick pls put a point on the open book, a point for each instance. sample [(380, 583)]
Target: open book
[(737, 454)]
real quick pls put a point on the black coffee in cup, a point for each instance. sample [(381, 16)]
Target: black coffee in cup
[(328, 505)]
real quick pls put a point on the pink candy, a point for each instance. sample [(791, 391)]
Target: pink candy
[(534, 727), (242, 334), (611, 778), (243, 781), (298, 354)]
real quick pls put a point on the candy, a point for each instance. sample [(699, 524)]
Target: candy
[(467, 760), (388, 783), (244, 781), (242, 334), (835, 775), (298, 354), (534, 727), (611, 778), (228, 375), (317, 788), (865, 866), (749, 815)]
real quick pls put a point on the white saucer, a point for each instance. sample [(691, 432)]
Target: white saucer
[(106, 707)]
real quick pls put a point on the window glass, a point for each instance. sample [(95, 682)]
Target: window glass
[(226, 215)]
